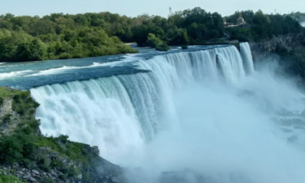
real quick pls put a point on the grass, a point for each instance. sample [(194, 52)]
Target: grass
[(8, 92)]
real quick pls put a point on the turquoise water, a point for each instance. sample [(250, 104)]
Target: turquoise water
[(27, 75)]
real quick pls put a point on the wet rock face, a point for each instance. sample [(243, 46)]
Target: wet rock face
[(266, 47)]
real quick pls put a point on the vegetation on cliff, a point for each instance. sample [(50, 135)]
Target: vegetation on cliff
[(298, 16), (273, 34), (22, 147), (293, 58), (9, 179)]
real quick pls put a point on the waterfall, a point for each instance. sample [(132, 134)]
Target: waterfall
[(247, 57), (207, 111), (120, 112)]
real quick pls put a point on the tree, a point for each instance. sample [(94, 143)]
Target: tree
[(153, 41), (30, 51)]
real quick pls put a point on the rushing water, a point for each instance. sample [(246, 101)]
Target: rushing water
[(205, 110)]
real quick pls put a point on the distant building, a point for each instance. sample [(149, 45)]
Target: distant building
[(240, 21)]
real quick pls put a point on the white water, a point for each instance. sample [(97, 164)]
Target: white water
[(14, 74), (207, 111), (247, 57)]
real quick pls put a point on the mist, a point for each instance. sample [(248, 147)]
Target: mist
[(229, 134), (204, 116)]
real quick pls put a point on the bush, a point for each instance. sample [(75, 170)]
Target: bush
[(7, 118), (162, 47), (184, 47), (15, 148), (9, 179), (63, 138), (63, 176), (47, 180), (153, 41), (44, 164)]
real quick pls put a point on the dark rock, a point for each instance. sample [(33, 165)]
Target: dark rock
[(96, 150), (33, 179)]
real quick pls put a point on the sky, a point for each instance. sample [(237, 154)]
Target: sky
[(133, 8)]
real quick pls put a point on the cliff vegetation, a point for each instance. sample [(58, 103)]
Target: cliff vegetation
[(31, 157)]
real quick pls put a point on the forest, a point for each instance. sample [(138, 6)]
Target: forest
[(61, 36)]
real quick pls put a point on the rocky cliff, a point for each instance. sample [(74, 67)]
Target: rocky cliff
[(288, 50), (286, 43), (32, 157)]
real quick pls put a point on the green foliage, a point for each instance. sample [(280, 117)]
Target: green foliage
[(9, 179), (15, 148), (47, 180), (177, 36), (63, 138), (162, 47), (7, 118), (27, 148), (8, 92), (60, 36), (1, 101), (298, 16), (153, 41), (19, 146), (44, 164), (73, 150), (63, 176), (22, 102), (262, 26), (246, 15), (94, 34)]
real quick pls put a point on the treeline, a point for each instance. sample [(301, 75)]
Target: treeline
[(262, 26), (298, 16), (194, 26), (59, 36)]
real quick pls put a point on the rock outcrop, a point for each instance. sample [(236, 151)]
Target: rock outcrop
[(32, 157), (67, 171), (266, 47)]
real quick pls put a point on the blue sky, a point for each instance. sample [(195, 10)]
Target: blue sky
[(137, 7)]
